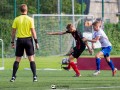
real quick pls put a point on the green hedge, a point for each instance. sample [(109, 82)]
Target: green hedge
[(5, 31), (113, 32)]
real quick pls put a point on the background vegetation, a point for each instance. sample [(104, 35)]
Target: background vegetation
[(7, 14)]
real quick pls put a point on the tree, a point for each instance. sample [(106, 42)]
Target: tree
[(50, 6)]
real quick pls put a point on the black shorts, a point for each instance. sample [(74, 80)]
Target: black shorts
[(24, 44), (77, 52)]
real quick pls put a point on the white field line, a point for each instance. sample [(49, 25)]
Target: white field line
[(45, 69), (90, 88)]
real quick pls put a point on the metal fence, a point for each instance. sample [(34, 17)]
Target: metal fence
[(9, 9)]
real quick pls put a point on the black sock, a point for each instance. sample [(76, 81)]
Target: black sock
[(15, 68), (33, 68)]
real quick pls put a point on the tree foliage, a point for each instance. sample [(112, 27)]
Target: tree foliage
[(50, 6), (113, 32), (46, 7)]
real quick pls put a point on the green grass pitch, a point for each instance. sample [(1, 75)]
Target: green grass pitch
[(62, 79)]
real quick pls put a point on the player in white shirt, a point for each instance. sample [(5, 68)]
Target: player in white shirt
[(99, 35)]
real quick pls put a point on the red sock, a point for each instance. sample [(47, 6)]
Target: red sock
[(74, 67), (69, 66)]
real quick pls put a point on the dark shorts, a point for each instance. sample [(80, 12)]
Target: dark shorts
[(77, 52), (24, 44)]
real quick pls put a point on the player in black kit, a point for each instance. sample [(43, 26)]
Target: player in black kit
[(77, 50)]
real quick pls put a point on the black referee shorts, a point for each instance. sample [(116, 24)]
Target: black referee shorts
[(24, 44), (77, 52)]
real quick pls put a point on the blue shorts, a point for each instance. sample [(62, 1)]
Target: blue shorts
[(106, 51)]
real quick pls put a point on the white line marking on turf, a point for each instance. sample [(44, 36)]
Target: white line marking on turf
[(45, 69), (89, 88)]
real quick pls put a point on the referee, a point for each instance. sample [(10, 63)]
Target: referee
[(23, 30)]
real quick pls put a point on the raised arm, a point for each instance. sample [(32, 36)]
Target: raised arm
[(56, 33)]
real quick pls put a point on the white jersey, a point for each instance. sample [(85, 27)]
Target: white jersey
[(103, 38)]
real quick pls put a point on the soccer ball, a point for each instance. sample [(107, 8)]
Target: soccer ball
[(65, 61), (53, 86)]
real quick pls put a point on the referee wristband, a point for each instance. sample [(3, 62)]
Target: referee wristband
[(36, 41)]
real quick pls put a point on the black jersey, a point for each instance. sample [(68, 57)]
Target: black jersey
[(78, 38)]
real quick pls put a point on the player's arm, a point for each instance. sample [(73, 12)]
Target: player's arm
[(13, 37), (89, 49), (35, 37), (86, 43), (56, 33), (94, 40), (93, 46)]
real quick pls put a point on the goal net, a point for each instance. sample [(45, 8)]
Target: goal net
[(58, 44)]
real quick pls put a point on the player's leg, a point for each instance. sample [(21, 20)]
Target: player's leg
[(15, 68), (30, 53), (19, 53), (75, 54), (33, 67), (74, 66), (109, 61), (69, 66), (98, 61), (72, 50)]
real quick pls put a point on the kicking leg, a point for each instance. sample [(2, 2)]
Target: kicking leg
[(74, 66), (110, 63)]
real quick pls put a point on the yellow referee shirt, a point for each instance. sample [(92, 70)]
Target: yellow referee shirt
[(23, 24)]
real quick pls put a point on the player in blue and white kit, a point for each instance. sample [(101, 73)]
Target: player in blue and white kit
[(99, 35)]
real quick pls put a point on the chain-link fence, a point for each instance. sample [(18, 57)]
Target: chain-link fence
[(9, 9)]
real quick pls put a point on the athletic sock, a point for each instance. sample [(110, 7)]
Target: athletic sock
[(73, 65), (33, 68), (15, 68), (69, 66), (110, 63), (98, 63)]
